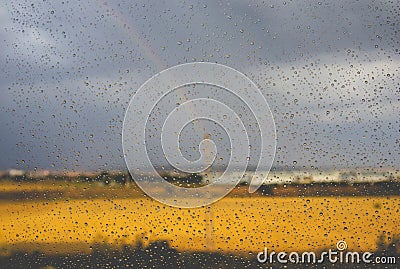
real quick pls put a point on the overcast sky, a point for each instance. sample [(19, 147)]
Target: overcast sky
[(329, 71)]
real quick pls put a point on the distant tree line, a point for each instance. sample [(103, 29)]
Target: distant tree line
[(105, 177)]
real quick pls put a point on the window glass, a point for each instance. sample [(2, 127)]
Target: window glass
[(183, 134)]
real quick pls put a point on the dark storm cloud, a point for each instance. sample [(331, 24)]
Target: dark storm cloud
[(70, 69)]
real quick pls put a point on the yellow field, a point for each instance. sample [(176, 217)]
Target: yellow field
[(232, 225)]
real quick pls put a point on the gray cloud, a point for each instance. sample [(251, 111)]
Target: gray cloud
[(70, 69)]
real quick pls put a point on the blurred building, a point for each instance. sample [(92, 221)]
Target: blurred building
[(16, 173)]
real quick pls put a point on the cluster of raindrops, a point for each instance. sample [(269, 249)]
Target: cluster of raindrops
[(329, 71)]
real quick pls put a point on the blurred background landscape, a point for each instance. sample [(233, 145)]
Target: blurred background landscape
[(329, 71), (67, 220)]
